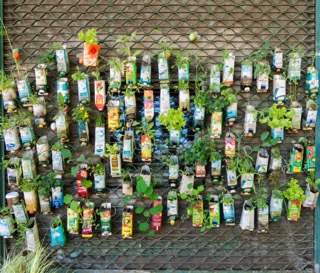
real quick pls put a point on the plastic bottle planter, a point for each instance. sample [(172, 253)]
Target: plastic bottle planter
[(163, 67), (20, 213), (58, 235), (277, 61), (310, 115), (62, 61), (228, 69), (40, 72), (173, 168), (231, 114), (62, 125), (127, 222), (27, 137), (57, 197), (11, 139), (293, 210), (276, 203), (311, 198), (294, 68), (216, 170), (146, 148), (145, 75), (296, 119), (9, 97), (263, 79), (84, 91), (275, 162), (115, 79), (279, 89), (186, 183), (113, 115), (32, 236), (228, 214), (164, 98), (99, 181), (200, 170), (215, 79), (199, 115), (31, 201), (310, 159), (278, 133), (247, 216), (43, 151), (87, 216), (115, 165), (216, 124), (296, 159), (184, 100), (232, 181), (100, 94), (197, 212), (246, 76), (131, 70), (24, 91), (250, 121), (63, 89), (172, 205), (73, 220), (57, 161), (105, 219), (6, 226), (128, 146), (99, 143), (14, 172), (312, 81), (262, 161), (39, 112), (131, 107), (45, 204), (263, 219), (230, 144), (81, 175), (83, 132), (247, 180), (28, 165), (175, 136), (156, 219), (148, 101), (90, 59), (214, 211)]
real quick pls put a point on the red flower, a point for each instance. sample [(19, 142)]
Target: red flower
[(93, 51)]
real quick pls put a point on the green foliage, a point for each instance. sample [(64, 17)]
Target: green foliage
[(294, 191), (182, 85), (27, 185), (258, 58), (145, 128), (56, 222), (116, 64), (126, 42), (7, 123), (6, 82), (174, 120), (267, 141), (74, 204), (226, 98), (78, 75), (112, 150), (131, 89), (227, 199), (89, 37), (23, 118), (201, 99), (313, 182), (165, 48), (260, 197), (197, 153), (98, 169), (48, 58), (181, 61), (277, 117), (191, 198), (81, 113)]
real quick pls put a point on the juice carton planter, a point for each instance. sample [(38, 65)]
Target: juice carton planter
[(58, 236), (90, 54), (156, 218), (127, 222), (311, 198), (6, 226), (293, 210), (87, 226), (9, 96), (105, 219)]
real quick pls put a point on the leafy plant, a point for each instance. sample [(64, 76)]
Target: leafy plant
[(294, 191), (116, 64), (261, 65), (44, 189), (191, 198), (56, 222), (226, 98), (99, 121), (78, 76), (89, 37), (23, 118), (60, 147), (126, 42), (165, 48), (27, 185), (112, 150), (145, 128), (267, 141), (277, 117), (197, 153), (201, 98), (182, 85), (174, 120), (227, 198), (48, 58), (98, 169), (131, 89), (181, 61), (81, 113), (313, 182), (7, 123), (74, 204), (260, 197), (6, 81)]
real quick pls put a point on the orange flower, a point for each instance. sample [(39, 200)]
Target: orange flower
[(93, 50)]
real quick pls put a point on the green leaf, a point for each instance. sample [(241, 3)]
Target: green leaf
[(264, 136), (256, 149), (183, 196), (81, 158), (139, 210), (144, 226), (146, 213), (67, 199), (154, 196), (200, 188), (141, 185), (190, 186), (148, 191), (86, 183), (66, 153), (151, 233), (194, 192), (74, 206), (156, 209), (60, 99), (202, 229), (74, 170), (274, 141)]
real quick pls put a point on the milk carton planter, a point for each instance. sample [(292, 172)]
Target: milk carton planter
[(84, 90), (116, 69), (6, 223), (28, 165), (57, 233), (310, 159), (146, 174), (275, 161), (130, 104), (164, 98), (14, 172), (250, 121), (276, 203), (228, 68), (148, 134), (146, 148), (57, 193), (228, 210), (127, 184), (90, 47), (294, 68), (247, 180), (127, 222), (197, 212), (24, 91), (214, 211), (44, 193), (43, 151), (39, 111), (216, 124), (216, 170), (73, 216), (310, 115), (63, 91), (312, 191), (262, 71), (20, 213), (9, 94), (201, 101), (312, 81), (88, 221), (40, 72), (263, 219), (230, 144), (187, 182), (128, 146), (62, 60), (277, 61), (82, 183), (61, 125), (172, 204), (148, 101), (83, 131), (156, 219), (105, 219), (99, 178), (100, 135), (279, 89), (114, 159), (80, 114), (163, 66), (215, 80), (295, 196), (145, 75), (184, 100), (246, 75), (131, 70), (24, 121), (296, 158), (173, 171), (57, 157), (45, 204), (100, 93), (113, 115), (11, 135), (231, 113), (247, 216), (262, 161), (296, 119), (29, 188), (32, 235)]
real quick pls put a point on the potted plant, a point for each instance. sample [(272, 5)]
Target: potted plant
[(174, 122), (294, 67), (127, 183), (73, 214), (172, 162), (276, 201), (61, 125), (99, 91), (13, 167), (163, 56), (184, 95), (29, 188), (278, 119), (145, 74), (40, 72), (187, 181), (295, 196), (250, 120), (228, 67), (43, 151), (112, 151), (214, 156), (9, 131), (200, 101), (88, 219), (247, 216), (130, 102), (116, 70), (296, 158), (44, 193), (230, 98), (113, 115), (57, 233), (80, 114), (246, 75), (100, 135), (91, 47), (83, 86), (56, 184), (228, 208), (310, 115), (8, 92), (312, 191), (62, 59), (24, 122), (28, 164), (6, 223), (99, 177), (59, 153), (148, 104), (39, 110)]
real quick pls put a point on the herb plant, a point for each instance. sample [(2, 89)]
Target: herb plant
[(78, 75), (80, 114), (126, 42), (277, 117), (313, 182), (89, 37), (174, 120), (294, 191)]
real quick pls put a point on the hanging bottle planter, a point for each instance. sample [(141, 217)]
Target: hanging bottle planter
[(247, 216), (28, 165), (63, 91), (62, 60), (279, 89), (81, 177), (88, 221), (148, 102), (216, 124), (145, 75), (80, 114), (43, 151), (214, 211), (99, 93), (99, 178), (128, 146), (32, 235), (114, 159), (156, 219), (61, 125), (296, 159), (172, 204), (127, 222), (197, 212), (13, 172), (277, 61), (116, 69), (113, 115), (100, 136), (40, 72), (215, 79), (312, 81), (57, 233), (24, 91), (276, 202), (310, 115), (296, 119), (250, 120), (228, 69), (90, 47), (105, 219), (246, 75), (228, 210), (164, 99), (9, 94)]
